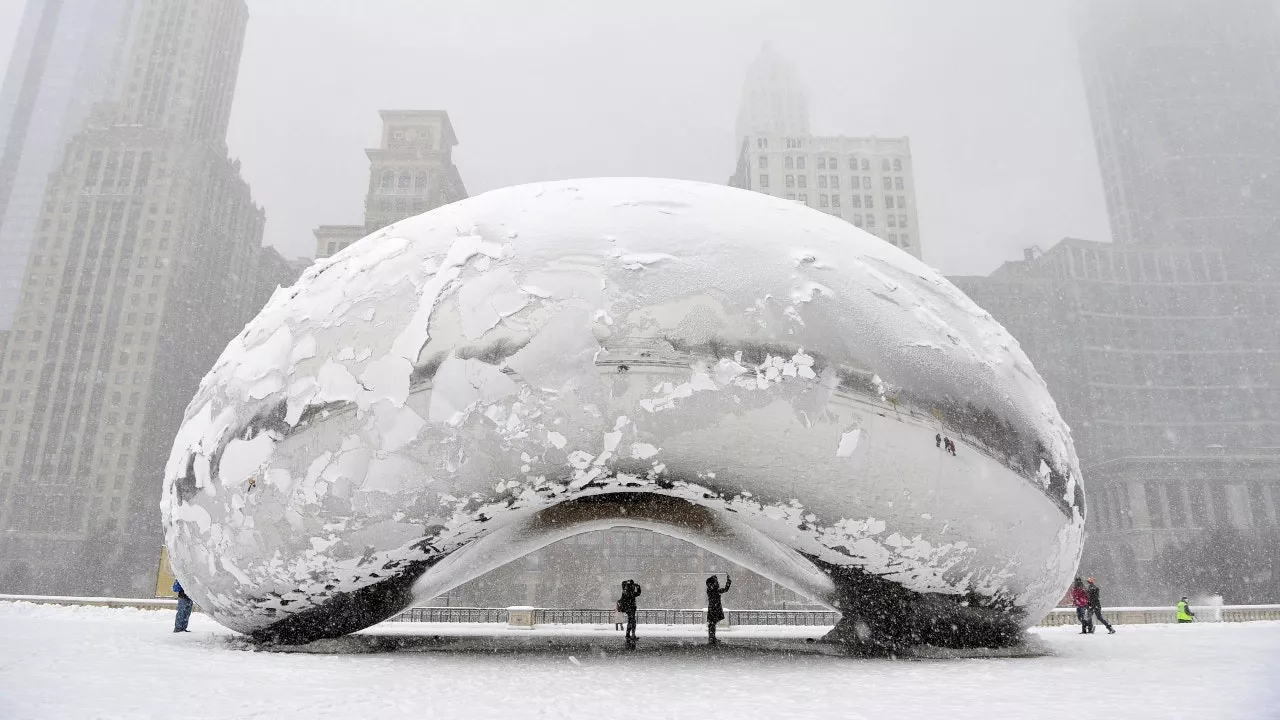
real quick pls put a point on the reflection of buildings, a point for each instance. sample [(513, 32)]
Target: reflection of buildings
[(586, 571), (410, 173), (869, 182), (1163, 349), (145, 263), (63, 61)]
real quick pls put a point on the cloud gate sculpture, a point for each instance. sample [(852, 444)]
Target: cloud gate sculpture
[(753, 376)]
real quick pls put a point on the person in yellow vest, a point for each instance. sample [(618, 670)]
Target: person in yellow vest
[(1184, 611)]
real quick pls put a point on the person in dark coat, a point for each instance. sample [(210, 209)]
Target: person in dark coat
[(1095, 606), (184, 609), (1080, 599), (715, 609), (627, 605), (937, 439)]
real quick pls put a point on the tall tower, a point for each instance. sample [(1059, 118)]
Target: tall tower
[(65, 59), (1185, 102), (410, 172), (143, 266), (773, 102)]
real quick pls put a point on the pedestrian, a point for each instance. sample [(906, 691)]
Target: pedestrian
[(184, 609), (1095, 607), (937, 440), (627, 605), (1184, 611), (619, 617), (715, 609), (1080, 599)]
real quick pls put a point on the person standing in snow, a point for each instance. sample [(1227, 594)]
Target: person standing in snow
[(1095, 607), (627, 605), (937, 440), (1184, 611), (1080, 598), (184, 609), (715, 609)]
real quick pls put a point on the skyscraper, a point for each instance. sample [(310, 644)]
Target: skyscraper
[(410, 172), (1185, 101), (65, 59), (869, 182), (143, 266)]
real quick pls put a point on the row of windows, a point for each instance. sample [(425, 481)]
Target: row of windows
[(404, 181), (824, 162), (833, 182)]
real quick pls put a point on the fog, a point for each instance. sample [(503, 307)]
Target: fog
[(988, 92)]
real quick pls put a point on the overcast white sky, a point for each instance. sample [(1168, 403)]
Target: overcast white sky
[(987, 90)]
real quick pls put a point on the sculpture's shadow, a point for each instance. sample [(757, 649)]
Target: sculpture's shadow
[(587, 646)]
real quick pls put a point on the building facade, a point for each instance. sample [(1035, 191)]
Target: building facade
[(1165, 362), (869, 182), (1184, 97), (145, 263), (66, 57), (410, 172)]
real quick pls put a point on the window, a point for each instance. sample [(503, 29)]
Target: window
[(789, 163), (869, 201), (897, 165), (857, 219), (853, 164), (835, 182), (897, 183), (388, 178), (791, 181), (822, 163), (803, 181), (822, 200), (764, 162), (804, 198), (888, 201), (906, 240), (822, 181), (791, 196), (902, 221), (831, 163), (892, 221), (800, 163), (871, 221), (884, 164), (866, 164), (888, 183), (835, 201), (857, 201), (405, 181), (333, 247), (762, 142), (764, 180), (893, 238), (420, 183), (866, 183), (902, 202)]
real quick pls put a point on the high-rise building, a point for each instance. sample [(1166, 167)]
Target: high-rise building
[(1185, 101), (144, 264), (411, 172), (1164, 361), (869, 182), (66, 57)]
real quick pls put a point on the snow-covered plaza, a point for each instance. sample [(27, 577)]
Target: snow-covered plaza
[(77, 662)]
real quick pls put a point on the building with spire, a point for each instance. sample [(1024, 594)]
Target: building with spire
[(410, 172), (144, 264), (867, 181)]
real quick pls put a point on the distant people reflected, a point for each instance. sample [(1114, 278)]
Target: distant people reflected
[(715, 609), (627, 605)]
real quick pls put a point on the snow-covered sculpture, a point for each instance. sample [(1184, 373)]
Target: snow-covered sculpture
[(745, 373)]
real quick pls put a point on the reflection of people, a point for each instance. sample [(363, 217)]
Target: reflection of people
[(627, 605), (715, 609), (1095, 606), (184, 609), (619, 617), (1184, 611), (937, 439), (1080, 599)]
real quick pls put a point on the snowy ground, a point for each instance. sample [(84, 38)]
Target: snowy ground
[(59, 662)]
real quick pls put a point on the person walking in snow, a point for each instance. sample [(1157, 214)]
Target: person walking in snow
[(627, 605), (1184, 611), (1095, 607), (184, 609), (715, 609), (1080, 598), (937, 440)]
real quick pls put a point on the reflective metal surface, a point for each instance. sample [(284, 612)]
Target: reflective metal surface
[(747, 374)]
